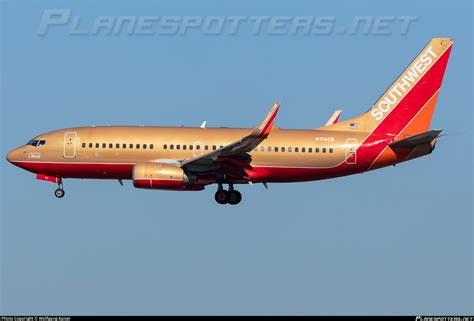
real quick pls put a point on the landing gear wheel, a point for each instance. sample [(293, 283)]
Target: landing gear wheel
[(221, 196), (59, 193), (234, 197)]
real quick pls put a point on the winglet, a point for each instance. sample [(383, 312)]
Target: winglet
[(334, 118), (266, 125)]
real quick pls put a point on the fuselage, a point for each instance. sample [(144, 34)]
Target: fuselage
[(111, 152)]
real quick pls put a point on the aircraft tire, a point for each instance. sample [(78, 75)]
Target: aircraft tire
[(234, 197), (59, 193), (222, 196)]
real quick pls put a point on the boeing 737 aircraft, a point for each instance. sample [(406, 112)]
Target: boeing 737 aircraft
[(394, 130)]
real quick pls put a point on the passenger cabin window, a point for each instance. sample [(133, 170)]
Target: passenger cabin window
[(130, 146), (283, 149), (316, 150), (276, 149), (111, 145), (178, 146), (303, 149), (144, 146), (185, 147), (96, 145), (324, 149), (296, 149), (90, 145), (331, 150), (104, 145), (124, 146), (83, 145), (151, 146), (214, 147), (310, 149), (117, 145), (198, 147), (171, 146), (190, 147), (289, 149), (165, 146), (269, 149), (137, 146)]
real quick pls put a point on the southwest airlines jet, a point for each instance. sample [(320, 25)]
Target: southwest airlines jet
[(394, 130)]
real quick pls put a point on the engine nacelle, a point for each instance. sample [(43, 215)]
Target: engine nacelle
[(162, 176)]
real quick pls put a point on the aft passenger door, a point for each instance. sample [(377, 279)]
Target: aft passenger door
[(70, 145), (351, 151)]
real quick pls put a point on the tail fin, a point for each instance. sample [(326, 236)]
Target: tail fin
[(407, 106)]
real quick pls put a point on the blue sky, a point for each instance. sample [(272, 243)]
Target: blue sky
[(393, 241)]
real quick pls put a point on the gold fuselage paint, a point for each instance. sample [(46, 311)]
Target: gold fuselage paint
[(282, 148), (202, 141)]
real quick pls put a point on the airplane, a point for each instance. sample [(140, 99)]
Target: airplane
[(394, 130)]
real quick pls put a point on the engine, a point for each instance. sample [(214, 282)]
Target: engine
[(162, 176)]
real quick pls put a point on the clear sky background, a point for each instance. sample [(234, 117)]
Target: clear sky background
[(393, 241)]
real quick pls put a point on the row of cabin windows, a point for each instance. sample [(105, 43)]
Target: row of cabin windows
[(294, 149), (117, 145), (214, 147), (262, 148), (190, 147)]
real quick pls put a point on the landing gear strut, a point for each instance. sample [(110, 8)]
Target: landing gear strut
[(59, 192), (231, 196)]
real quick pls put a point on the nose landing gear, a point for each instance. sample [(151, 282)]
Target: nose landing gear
[(232, 196), (59, 192)]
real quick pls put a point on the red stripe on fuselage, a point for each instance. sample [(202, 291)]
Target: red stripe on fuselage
[(124, 171), (79, 170)]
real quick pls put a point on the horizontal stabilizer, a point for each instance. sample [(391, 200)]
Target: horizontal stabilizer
[(413, 141)]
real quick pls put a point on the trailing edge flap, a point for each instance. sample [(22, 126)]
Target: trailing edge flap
[(413, 141)]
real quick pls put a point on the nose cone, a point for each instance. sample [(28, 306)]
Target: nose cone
[(13, 156), (10, 157)]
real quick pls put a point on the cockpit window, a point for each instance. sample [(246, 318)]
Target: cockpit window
[(36, 142)]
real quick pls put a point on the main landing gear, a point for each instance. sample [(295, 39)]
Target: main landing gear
[(231, 196), (59, 193)]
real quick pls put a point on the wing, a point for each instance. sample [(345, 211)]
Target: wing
[(233, 159)]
